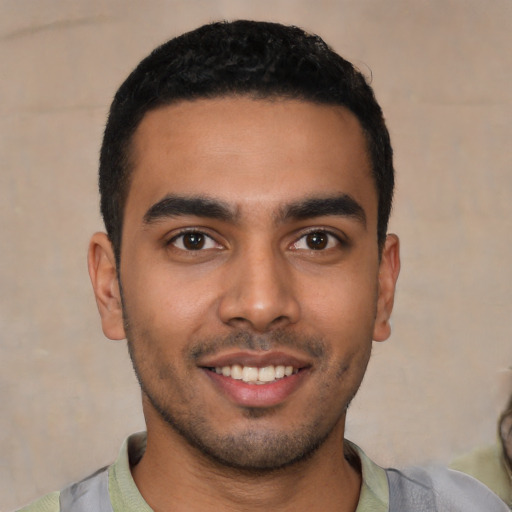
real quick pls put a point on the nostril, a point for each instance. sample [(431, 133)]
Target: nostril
[(277, 322)]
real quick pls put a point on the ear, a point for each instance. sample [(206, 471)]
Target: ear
[(103, 274), (388, 274)]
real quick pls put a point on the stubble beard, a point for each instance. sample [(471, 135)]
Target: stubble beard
[(253, 450)]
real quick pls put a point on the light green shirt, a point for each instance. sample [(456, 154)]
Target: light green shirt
[(488, 465), (125, 496)]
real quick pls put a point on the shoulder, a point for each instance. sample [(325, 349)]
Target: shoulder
[(48, 503), (444, 489), (487, 457), (487, 464)]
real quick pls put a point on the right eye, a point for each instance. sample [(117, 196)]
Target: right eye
[(194, 241)]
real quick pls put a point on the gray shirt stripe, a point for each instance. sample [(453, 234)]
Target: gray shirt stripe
[(89, 495)]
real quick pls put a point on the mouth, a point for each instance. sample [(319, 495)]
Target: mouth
[(256, 379), (255, 375)]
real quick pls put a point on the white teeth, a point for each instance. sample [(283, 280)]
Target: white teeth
[(236, 372), (267, 374), (249, 374), (254, 375)]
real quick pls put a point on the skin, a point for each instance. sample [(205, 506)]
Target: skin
[(261, 288)]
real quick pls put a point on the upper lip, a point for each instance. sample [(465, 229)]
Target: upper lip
[(256, 359)]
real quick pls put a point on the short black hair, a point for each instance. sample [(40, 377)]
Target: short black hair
[(240, 58)]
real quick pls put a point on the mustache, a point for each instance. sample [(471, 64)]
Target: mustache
[(247, 340)]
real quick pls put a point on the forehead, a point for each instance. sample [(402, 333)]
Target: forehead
[(250, 153)]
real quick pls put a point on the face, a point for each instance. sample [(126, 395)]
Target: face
[(251, 280)]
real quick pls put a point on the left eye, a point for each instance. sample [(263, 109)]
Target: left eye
[(316, 241), (194, 241)]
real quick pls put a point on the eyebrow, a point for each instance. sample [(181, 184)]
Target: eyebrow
[(198, 206), (172, 206), (343, 205)]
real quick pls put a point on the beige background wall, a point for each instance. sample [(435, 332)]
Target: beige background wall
[(442, 69)]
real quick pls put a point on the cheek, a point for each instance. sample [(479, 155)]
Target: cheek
[(167, 300), (344, 302)]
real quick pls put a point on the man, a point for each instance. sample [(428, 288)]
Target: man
[(246, 181)]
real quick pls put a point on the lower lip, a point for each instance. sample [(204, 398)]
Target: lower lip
[(257, 395)]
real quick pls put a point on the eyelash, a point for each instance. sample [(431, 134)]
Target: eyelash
[(339, 240), (197, 232)]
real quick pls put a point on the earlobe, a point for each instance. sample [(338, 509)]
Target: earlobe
[(388, 275), (103, 274)]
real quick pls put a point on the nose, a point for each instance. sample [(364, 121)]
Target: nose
[(259, 293)]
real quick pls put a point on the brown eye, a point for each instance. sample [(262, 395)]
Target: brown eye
[(317, 240), (193, 241)]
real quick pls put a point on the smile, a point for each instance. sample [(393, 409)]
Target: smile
[(255, 375), (256, 378)]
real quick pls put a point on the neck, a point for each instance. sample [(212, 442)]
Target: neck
[(174, 476)]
